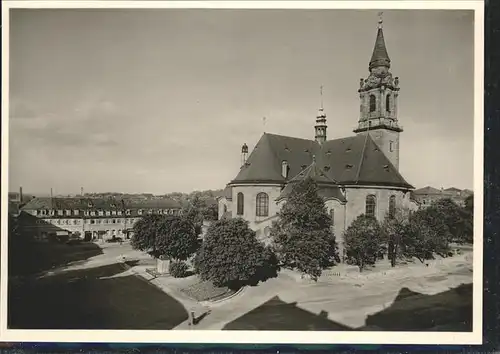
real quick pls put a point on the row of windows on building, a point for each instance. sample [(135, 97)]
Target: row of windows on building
[(371, 205), (262, 205), (76, 212), (89, 221)]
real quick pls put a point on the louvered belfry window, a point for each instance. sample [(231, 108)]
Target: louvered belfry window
[(262, 205)]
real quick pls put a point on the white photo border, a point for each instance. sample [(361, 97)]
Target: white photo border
[(268, 337)]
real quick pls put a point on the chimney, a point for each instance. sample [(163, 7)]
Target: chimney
[(81, 191), (20, 194)]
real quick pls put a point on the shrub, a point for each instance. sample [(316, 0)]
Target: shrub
[(178, 269)]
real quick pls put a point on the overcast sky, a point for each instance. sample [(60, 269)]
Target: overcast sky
[(162, 100)]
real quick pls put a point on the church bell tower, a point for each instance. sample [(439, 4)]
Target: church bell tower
[(379, 102)]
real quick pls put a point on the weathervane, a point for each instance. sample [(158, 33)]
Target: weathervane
[(380, 20), (321, 95)]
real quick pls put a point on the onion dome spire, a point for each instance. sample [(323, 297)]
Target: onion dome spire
[(380, 56)]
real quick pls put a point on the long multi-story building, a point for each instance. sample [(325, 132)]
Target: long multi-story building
[(89, 218), (428, 195)]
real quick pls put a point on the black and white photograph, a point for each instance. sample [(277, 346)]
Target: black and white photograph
[(242, 172)]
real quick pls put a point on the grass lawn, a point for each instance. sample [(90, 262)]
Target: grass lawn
[(83, 299), (48, 256)]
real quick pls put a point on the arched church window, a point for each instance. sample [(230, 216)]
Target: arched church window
[(239, 204), (388, 103), (392, 206), (332, 216), (262, 206), (373, 103), (371, 204)]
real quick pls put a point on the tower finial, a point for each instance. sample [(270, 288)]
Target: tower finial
[(380, 19), (321, 95)]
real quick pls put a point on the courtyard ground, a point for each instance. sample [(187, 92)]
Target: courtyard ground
[(97, 293), (100, 293)]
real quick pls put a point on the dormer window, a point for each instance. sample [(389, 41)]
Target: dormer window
[(127, 212), (303, 167), (68, 212), (348, 150), (101, 212), (119, 212), (60, 212), (76, 212), (348, 166), (284, 169), (139, 211), (108, 212), (327, 168), (113, 212), (90, 205), (386, 167), (328, 152), (92, 213)]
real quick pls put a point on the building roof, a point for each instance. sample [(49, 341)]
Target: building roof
[(426, 190), (327, 187), (379, 55), (351, 160), (59, 203), (452, 189)]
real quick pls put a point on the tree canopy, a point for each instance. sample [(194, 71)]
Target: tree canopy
[(303, 238), (231, 255), (363, 241), (173, 237)]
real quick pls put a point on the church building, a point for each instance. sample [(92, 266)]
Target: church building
[(356, 175)]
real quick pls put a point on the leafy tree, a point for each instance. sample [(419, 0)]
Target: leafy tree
[(210, 212), (145, 233), (424, 236), (231, 255), (173, 237), (452, 217), (302, 237), (363, 241), (469, 219), (176, 238), (393, 228)]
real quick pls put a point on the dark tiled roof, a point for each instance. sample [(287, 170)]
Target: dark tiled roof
[(340, 159), (426, 190), (98, 203), (379, 55), (227, 193), (327, 187)]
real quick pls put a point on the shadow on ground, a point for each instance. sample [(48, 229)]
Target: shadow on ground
[(48, 256), (81, 299), (447, 311)]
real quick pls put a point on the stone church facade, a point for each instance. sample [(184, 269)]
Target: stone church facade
[(356, 175)]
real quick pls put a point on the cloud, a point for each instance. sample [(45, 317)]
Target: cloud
[(21, 110)]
